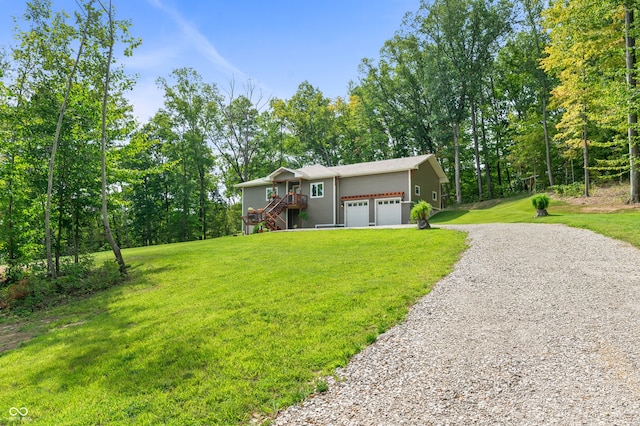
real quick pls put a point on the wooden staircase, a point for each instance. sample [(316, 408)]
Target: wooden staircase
[(272, 211), (270, 215)]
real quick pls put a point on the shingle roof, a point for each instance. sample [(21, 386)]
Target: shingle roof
[(379, 167), (318, 171)]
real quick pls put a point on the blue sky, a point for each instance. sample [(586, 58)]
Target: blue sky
[(275, 44)]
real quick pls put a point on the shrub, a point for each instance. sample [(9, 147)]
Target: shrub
[(540, 201), (421, 211), (420, 214), (575, 189), (322, 386), (37, 290)]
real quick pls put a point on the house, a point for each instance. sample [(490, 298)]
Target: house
[(355, 195)]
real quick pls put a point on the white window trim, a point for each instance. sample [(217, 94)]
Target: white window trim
[(270, 191), (434, 195), (311, 190), (417, 190)]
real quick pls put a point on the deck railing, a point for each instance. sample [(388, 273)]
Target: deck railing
[(299, 201)]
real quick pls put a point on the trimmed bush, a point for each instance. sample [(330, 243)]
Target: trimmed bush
[(420, 214), (541, 202)]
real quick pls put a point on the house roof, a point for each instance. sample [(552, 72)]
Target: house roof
[(294, 172), (318, 171)]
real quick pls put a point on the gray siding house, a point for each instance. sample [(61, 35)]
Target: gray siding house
[(356, 195)]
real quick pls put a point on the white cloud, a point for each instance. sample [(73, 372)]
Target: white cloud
[(199, 41), (152, 59)]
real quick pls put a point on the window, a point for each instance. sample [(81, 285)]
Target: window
[(317, 190), (270, 192), (434, 196), (417, 191)]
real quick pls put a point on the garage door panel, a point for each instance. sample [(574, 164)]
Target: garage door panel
[(357, 213), (388, 212)]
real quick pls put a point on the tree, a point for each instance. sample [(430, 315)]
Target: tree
[(54, 145), (465, 35), (533, 13), (191, 106), (239, 137), (400, 91), (632, 115), (103, 140), (310, 121), (582, 33), (55, 98)]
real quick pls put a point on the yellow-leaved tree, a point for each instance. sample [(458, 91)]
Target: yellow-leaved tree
[(586, 54)]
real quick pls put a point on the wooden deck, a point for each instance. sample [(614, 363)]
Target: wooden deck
[(270, 214)]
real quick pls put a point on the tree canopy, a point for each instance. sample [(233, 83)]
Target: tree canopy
[(509, 96)]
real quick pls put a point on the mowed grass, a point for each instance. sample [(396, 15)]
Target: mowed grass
[(221, 331), (619, 223)]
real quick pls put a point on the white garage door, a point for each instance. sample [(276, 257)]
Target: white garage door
[(388, 212), (356, 213)]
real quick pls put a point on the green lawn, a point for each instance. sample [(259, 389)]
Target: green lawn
[(620, 224), (218, 331)]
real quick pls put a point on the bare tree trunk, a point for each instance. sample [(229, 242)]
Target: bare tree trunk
[(632, 118), (476, 147), (545, 127), (105, 214), (456, 154), (12, 261), (499, 171), (203, 203), (585, 151), (543, 90), (487, 158), (54, 147)]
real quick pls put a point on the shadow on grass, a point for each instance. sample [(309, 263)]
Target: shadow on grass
[(447, 215)]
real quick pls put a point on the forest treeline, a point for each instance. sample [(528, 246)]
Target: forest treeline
[(509, 95)]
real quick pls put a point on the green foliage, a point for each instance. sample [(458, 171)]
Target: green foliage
[(575, 189), (253, 334), (36, 290), (420, 211), (540, 201), (322, 386), (260, 228)]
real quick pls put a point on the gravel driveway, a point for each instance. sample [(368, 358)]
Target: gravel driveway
[(537, 325)]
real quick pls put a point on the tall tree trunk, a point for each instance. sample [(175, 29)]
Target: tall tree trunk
[(12, 261), (185, 203), (456, 154), (545, 127), (487, 158), (529, 9), (103, 146), (203, 204), (585, 150), (54, 147), (632, 118), (76, 234), (499, 171), (476, 146)]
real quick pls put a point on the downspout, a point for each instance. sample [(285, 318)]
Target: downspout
[(245, 228), (335, 197)]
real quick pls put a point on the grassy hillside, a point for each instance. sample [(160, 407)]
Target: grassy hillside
[(221, 331), (597, 213)]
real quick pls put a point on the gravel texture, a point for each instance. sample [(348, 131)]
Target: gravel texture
[(537, 325)]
